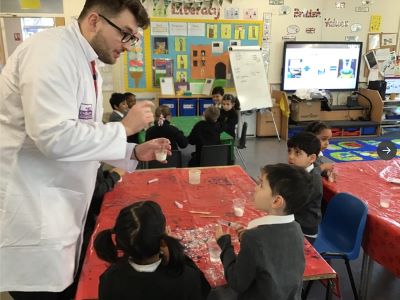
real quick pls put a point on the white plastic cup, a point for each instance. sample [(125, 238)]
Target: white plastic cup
[(214, 250), (238, 207), (332, 175), (384, 200), (194, 176), (161, 155)]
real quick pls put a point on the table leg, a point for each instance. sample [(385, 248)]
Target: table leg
[(329, 287), (366, 272)]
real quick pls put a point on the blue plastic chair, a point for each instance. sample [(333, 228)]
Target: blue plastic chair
[(341, 231)]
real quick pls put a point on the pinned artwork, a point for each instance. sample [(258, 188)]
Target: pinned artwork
[(356, 27), (285, 10), (180, 44), (212, 31), (231, 13), (310, 30), (253, 33), (181, 76), (340, 4), (160, 45), (217, 47), (276, 2), (226, 31), (293, 29), (351, 38), (250, 14), (306, 13), (235, 43), (289, 38), (388, 39), (335, 23), (240, 32), (181, 61), (375, 23)]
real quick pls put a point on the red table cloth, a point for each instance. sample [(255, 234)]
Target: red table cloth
[(367, 180), (215, 193)]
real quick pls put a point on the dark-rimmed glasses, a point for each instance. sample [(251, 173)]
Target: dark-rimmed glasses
[(126, 36)]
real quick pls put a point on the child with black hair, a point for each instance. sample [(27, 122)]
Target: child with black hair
[(228, 115), (130, 99), (303, 150), (152, 265), (324, 134), (205, 132), (119, 106), (163, 128), (270, 264), (217, 94)]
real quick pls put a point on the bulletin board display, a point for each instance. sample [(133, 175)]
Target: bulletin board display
[(187, 50)]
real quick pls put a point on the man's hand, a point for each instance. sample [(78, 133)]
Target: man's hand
[(240, 230), (219, 232), (138, 117), (146, 151)]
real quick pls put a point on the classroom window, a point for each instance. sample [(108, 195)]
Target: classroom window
[(30, 26)]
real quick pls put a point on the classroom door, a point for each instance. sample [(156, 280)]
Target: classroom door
[(220, 71)]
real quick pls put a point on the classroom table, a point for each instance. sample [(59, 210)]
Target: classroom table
[(382, 232), (218, 187), (186, 124)]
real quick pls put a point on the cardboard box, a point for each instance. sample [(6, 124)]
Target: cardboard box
[(265, 125), (305, 110)]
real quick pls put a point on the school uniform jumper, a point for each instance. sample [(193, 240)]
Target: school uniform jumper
[(203, 133), (309, 216), (270, 264), (168, 131), (228, 120), (52, 142)]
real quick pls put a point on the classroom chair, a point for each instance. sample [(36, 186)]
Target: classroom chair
[(173, 161), (214, 155), (241, 144), (341, 231)]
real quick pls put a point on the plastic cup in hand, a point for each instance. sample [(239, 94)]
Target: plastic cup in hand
[(332, 175), (194, 176), (384, 200), (161, 155), (214, 250), (238, 207)]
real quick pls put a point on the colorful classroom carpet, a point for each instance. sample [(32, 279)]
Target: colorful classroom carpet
[(357, 150)]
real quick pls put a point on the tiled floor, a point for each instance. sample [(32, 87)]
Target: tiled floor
[(262, 151)]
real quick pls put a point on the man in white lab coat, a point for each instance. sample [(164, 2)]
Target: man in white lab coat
[(52, 140)]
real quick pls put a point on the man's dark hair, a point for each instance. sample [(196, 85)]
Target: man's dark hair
[(305, 141), (116, 99), (111, 8), (293, 183)]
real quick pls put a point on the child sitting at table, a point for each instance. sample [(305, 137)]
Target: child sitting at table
[(303, 150), (119, 106), (152, 265), (228, 117), (217, 94), (270, 264), (324, 134), (163, 128), (205, 132)]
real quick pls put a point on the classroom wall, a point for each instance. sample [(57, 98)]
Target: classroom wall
[(388, 9)]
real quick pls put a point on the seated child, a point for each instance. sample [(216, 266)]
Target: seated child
[(205, 132), (152, 265), (303, 150), (119, 106), (324, 133), (217, 94), (270, 264), (130, 99), (228, 115), (163, 128)]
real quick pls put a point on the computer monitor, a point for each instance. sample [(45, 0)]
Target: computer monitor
[(320, 65), (392, 85)]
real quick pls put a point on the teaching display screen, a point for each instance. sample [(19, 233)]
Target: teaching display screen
[(321, 65), (392, 85)]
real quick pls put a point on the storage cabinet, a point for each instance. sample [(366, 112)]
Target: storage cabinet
[(391, 114), (185, 105)]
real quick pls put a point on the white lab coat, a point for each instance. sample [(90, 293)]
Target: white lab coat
[(51, 142)]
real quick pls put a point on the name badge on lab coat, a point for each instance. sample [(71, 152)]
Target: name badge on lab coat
[(85, 111)]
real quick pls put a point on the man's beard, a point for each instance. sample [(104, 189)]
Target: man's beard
[(99, 45)]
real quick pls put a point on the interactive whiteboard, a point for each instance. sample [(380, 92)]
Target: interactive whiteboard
[(250, 77)]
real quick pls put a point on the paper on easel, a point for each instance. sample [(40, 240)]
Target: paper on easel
[(207, 86), (167, 86)]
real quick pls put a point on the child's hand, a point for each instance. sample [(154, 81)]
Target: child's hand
[(240, 230), (328, 167), (218, 232)]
